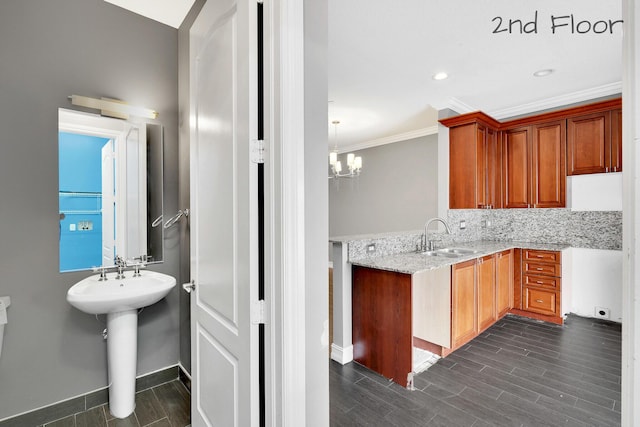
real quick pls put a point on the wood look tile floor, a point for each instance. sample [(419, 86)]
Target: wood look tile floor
[(166, 405), (519, 372)]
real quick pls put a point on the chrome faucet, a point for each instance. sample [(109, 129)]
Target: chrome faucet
[(429, 244), (120, 264)]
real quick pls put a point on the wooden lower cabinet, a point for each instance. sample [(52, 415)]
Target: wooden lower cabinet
[(504, 282), (464, 325), (486, 274), (541, 301), (540, 285)]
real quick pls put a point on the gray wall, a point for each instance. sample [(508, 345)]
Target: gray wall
[(50, 50), (396, 191), (316, 213)]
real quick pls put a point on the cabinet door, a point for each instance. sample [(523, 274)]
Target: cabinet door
[(548, 165), (486, 270), (463, 163), (616, 141), (504, 282), (588, 143), (463, 303), (493, 165), (515, 163)]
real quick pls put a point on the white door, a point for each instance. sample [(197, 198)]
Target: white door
[(108, 204), (223, 216)]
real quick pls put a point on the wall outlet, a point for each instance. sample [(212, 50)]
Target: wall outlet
[(463, 224), (602, 313), (371, 248)]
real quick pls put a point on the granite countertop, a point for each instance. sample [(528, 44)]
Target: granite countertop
[(413, 262)]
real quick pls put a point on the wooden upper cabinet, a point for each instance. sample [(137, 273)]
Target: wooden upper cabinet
[(594, 143), (616, 140), (515, 168), (474, 166), (589, 143), (524, 162), (463, 163), (548, 165)]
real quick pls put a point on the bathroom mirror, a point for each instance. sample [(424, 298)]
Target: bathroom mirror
[(110, 190)]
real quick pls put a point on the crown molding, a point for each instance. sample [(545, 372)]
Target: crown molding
[(558, 101), (431, 130), (459, 107)]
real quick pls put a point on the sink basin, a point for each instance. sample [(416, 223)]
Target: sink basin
[(120, 300), (458, 251), (113, 296), (441, 254)]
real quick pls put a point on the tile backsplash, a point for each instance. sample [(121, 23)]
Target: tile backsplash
[(583, 229)]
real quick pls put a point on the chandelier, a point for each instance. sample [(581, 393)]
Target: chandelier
[(354, 164)]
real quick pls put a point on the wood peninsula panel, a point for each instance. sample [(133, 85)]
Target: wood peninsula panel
[(382, 320)]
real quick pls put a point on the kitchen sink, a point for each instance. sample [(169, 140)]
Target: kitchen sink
[(458, 251), (440, 253)]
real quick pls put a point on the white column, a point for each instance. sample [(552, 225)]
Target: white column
[(342, 346)]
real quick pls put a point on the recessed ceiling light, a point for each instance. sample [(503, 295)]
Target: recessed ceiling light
[(440, 76), (543, 73)]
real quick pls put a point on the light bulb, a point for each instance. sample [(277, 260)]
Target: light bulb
[(350, 158), (357, 163), (333, 158), (338, 166)]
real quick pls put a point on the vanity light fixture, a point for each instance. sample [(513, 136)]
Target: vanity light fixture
[(440, 76), (113, 108), (543, 73), (354, 163)]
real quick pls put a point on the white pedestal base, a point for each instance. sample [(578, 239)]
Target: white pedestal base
[(122, 346)]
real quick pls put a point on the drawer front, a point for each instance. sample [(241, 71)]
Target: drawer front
[(541, 301), (538, 268), (542, 281), (543, 256)]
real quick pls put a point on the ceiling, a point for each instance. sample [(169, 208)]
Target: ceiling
[(169, 12), (383, 54)]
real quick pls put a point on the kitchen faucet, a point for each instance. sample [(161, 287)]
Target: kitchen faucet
[(429, 244)]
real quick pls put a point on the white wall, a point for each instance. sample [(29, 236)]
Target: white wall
[(595, 192), (596, 282)]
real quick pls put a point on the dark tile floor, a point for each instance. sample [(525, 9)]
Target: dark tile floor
[(166, 405), (519, 372)]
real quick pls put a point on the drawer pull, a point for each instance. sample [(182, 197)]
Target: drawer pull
[(539, 301), (539, 268), (539, 282)]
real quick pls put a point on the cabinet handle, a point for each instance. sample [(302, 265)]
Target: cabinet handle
[(539, 268), (539, 301), (539, 282)]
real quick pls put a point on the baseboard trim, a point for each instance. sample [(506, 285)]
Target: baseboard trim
[(185, 377), (87, 401), (342, 355)]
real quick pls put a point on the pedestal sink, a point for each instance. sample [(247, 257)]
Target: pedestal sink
[(120, 300)]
